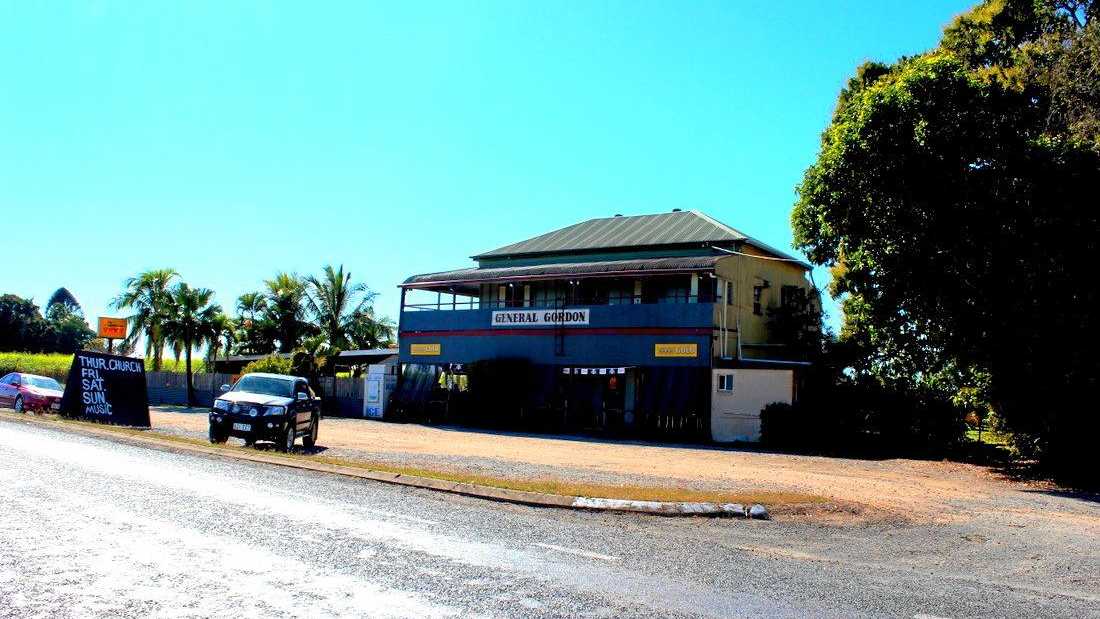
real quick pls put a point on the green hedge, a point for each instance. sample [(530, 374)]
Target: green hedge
[(271, 365), (56, 365), (198, 365)]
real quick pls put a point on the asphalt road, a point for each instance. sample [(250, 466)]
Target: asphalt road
[(95, 528)]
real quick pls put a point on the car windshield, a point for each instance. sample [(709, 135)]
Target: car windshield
[(42, 382), (266, 385)]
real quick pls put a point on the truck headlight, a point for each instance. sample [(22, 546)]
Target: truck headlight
[(275, 410), (222, 405)]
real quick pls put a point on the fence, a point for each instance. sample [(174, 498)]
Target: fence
[(340, 396), (171, 387)]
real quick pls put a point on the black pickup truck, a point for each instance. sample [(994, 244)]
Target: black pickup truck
[(267, 407)]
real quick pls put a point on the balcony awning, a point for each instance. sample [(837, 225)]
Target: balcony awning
[(618, 268)]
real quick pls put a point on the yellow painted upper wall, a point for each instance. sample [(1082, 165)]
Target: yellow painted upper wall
[(746, 272)]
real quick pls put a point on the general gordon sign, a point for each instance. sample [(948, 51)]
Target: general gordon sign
[(523, 318), (107, 388)]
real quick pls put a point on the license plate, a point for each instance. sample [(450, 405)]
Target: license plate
[(242, 427), (56, 406)]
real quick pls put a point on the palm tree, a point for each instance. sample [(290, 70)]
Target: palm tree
[(189, 324), (221, 336), (254, 331), (367, 331), (149, 296), (335, 301), (286, 294), (314, 357), (251, 304)]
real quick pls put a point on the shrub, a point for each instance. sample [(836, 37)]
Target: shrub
[(779, 426), (865, 418), (271, 365)]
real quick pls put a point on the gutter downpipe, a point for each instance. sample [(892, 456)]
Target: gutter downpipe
[(740, 262)]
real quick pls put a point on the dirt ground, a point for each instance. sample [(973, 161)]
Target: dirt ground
[(921, 490)]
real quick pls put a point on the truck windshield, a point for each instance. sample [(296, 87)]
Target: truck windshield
[(265, 385)]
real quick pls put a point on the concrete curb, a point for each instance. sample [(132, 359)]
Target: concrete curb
[(522, 497)]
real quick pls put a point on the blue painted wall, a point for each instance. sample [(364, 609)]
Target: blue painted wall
[(584, 345)]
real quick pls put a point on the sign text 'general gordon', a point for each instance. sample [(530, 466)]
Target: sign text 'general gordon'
[(523, 318)]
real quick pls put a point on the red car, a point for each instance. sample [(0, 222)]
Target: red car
[(25, 392)]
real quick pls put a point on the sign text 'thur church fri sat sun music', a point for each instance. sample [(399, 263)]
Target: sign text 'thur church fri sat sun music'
[(106, 388)]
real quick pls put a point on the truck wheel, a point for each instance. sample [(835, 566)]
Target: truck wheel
[(310, 439), (217, 436), (287, 444)]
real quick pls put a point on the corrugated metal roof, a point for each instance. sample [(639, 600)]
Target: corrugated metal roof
[(608, 267), (675, 228)]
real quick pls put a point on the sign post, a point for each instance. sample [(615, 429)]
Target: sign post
[(106, 388), (112, 329)]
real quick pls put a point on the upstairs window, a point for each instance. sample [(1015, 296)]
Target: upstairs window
[(792, 297), (725, 383), (757, 298)]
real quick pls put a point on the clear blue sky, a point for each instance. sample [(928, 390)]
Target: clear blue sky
[(231, 140)]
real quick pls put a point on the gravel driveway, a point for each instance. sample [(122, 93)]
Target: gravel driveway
[(895, 489)]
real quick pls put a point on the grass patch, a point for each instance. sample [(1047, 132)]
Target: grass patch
[(990, 436), (545, 486), (568, 488)]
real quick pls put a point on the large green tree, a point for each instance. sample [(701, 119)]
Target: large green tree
[(68, 328), (63, 301), (22, 327), (957, 204)]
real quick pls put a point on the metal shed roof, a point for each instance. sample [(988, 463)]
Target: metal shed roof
[(646, 266), (675, 228)]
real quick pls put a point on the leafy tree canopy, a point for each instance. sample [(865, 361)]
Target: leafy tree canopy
[(23, 328), (954, 195), (63, 301)]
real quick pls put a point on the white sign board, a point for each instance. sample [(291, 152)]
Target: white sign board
[(543, 317), (377, 386)]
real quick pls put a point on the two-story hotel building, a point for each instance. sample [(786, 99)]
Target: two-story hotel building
[(655, 322)]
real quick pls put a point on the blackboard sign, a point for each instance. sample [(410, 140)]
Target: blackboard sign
[(107, 388)]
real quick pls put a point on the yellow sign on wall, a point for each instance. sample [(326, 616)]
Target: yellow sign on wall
[(112, 328), (425, 350), (675, 350)]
